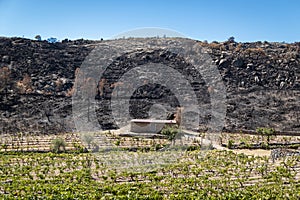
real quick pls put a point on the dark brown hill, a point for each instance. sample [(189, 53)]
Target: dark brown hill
[(262, 83)]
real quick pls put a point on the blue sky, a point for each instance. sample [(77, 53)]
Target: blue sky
[(246, 20)]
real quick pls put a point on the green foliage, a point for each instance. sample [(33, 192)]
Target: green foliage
[(195, 175), (170, 131), (118, 142), (58, 145), (264, 145), (230, 144), (267, 132), (79, 148)]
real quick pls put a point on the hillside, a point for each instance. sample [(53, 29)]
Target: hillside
[(262, 83)]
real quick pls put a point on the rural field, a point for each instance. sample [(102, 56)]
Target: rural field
[(45, 167)]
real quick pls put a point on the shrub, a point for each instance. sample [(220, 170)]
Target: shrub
[(25, 86), (118, 142), (79, 148), (230, 144), (58, 145), (257, 51), (88, 138), (170, 131)]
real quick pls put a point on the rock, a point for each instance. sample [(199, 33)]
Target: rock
[(224, 63), (6, 59), (238, 62)]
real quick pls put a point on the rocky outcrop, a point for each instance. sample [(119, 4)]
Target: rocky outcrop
[(262, 83)]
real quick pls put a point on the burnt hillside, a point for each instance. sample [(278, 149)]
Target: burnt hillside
[(262, 83)]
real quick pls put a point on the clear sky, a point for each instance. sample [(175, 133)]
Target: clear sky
[(246, 20)]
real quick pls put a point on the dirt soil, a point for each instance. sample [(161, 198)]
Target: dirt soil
[(255, 152)]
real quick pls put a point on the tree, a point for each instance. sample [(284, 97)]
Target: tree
[(52, 40), (268, 132), (101, 85), (85, 87), (4, 79), (231, 39), (65, 40), (178, 115), (89, 91), (38, 37)]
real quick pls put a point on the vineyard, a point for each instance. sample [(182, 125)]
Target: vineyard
[(259, 141), (28, 170)]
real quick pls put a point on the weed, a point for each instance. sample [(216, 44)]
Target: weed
[(58, 145)]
